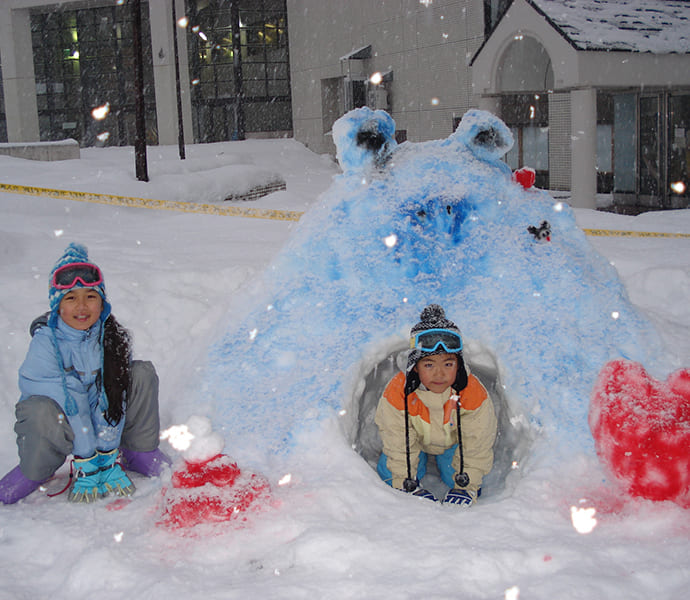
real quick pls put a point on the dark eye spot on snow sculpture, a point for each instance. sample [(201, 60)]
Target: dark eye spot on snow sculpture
[(488, 137), (364, 140), (371, 140)]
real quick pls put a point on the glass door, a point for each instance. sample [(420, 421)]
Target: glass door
[(678, 150), (624, 144), (651, 141)]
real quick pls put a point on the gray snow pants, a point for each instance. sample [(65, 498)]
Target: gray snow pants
[(44, 436)]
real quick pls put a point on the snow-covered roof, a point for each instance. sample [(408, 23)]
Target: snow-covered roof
[(657, 26)]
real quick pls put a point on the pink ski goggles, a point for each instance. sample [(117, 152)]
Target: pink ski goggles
[(67, 276)]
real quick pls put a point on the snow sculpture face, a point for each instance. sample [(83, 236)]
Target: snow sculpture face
[(402, 227)]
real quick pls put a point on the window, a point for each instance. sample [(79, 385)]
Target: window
[(604, 160), (679, 146), (83, 59), (650, 146), (239, 67), (651, 161), (331, 101), (527, 116), (624, 143)]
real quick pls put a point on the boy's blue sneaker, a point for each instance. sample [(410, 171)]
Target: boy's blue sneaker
[(113, 478)]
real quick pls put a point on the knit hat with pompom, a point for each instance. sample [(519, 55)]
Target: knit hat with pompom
[(74, 253), (433, 317)]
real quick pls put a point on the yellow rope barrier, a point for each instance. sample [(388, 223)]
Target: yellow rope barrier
[(617, 233), (187, 207), (240, 211)]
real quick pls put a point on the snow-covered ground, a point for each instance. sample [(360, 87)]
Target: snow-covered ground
[(333, 531)]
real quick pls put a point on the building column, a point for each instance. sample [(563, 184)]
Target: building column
[(583, 159), (160, 15), (490, 104), (21, 109)]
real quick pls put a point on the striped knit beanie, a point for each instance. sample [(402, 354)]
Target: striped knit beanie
[(74, 253), (432, 317)]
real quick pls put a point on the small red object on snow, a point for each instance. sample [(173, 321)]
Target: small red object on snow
[(525, 177), (211, 491), (219, 471), (641, 429)]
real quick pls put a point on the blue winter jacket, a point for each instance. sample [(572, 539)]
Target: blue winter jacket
[(81, 353)]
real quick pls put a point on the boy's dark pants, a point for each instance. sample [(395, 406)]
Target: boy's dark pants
[(44, 436)]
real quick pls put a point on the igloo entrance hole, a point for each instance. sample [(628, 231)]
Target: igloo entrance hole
[(512, 441)]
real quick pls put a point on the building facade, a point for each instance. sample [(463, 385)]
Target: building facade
[(597, 94), (67, 70), (610, 82)]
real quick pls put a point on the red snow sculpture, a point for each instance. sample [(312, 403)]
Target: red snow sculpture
[(641, 429), (211, 491), (525, 177)]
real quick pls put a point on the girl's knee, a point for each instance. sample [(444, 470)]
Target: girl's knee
[(39, 409)]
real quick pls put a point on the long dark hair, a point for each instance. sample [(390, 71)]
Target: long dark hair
[(117, 356)]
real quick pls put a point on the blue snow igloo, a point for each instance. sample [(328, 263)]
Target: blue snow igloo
[(402, 227)]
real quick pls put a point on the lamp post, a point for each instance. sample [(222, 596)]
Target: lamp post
[(139, 110), (180, 125)]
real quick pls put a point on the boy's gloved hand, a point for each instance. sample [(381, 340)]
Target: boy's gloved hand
[(462, 498), (422, 493)]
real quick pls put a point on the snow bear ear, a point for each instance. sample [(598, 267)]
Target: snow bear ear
[(363, 138), (486, 136)]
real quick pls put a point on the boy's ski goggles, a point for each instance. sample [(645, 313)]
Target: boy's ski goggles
[(68, 276), (431, 340)]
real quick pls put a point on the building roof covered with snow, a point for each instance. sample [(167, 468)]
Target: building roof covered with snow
[(584, 60), (656, 26)]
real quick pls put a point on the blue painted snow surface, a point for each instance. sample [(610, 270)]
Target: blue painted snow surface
[(404, 226)]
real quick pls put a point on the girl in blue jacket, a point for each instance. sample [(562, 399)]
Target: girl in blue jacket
[(82, 394)]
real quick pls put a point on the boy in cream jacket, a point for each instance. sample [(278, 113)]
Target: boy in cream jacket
[(420, 410)]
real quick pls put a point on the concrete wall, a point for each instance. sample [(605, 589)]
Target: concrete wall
[(61, 150), (633, 69), (16, 54), (427, 49)]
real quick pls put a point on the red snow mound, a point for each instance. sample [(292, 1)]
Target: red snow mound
[(641, 429), (525, 177), (210, 492)]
